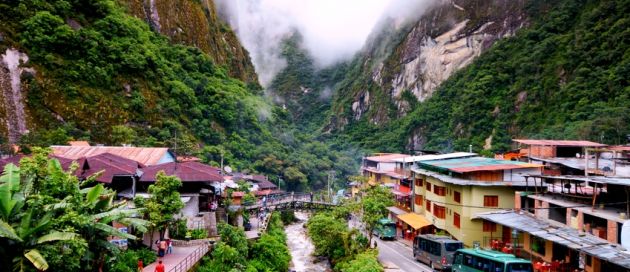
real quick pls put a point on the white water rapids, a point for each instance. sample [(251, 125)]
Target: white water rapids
[(301, 247)]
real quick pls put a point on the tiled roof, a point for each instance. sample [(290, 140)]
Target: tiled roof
[(559, 143), (185, 171), (144, 155), (386, 157), (477, 164), (111, 164)]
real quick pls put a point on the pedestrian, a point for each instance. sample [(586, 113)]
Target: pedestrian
[(140, 265), (375, 245), (169, 245), (311, 194), (162, 248), (159, 267)]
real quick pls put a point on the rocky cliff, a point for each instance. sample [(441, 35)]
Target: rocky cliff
[(196, 23), (404, 62)]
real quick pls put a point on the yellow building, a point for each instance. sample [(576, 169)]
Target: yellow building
[(448, 192)]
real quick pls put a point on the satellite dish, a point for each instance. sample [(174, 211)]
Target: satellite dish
[(625, 235), (227, 169)]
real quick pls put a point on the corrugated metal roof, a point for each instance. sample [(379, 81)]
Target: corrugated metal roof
[(185, 171), (78, 143), (477, 164), (460, 181), (144, 155), (111, 164), (565, 236), (436, 157), (395, 210), (620, 148), (559, 143), (386, 157)]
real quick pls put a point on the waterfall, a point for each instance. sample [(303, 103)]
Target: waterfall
[(10, 72), (154, 17)]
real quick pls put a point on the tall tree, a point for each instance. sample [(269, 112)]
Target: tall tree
[(374, 207), (163, 204)]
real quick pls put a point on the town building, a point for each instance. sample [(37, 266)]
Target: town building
[(450, 189), (575, 215)]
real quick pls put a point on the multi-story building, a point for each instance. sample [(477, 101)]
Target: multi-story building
[(574, 217), (385, 169), (450, 190)]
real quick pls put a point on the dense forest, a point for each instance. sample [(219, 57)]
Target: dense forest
[(563, 77), (105, 76)]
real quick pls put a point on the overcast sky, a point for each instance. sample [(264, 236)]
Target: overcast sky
[(333, 30)]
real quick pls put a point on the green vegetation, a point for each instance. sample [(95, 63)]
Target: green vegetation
[(50, 221), (347, 249), (374, 205), (127, 261), (234, 253), (163, 203), (104, 76), (564, 77)]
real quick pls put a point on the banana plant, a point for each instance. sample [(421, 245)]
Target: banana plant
[(19, 231)]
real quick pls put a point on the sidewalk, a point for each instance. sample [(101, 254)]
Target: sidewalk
[(171, 260)]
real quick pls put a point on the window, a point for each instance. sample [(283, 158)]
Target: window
[(457, 196), (538, 245), (489, 226), (428, 205), (428, 187), (456, 222), (418, 182), (439, 211), (491, 201), (418, 200), (439, 190)]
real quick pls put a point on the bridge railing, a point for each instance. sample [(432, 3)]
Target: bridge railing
[(191, 259)]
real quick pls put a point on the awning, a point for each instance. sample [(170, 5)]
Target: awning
[(414, 220), (395, 210), (399, 193)]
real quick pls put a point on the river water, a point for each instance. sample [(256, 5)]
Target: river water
[(302, 248)]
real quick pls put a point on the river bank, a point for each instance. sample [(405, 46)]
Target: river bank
[(302, 248)]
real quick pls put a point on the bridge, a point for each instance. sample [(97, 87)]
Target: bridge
[(290, 201)]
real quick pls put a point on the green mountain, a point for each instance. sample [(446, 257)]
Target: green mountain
[(480, 73), (146, 73)]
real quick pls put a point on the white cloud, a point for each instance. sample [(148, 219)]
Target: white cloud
[(333, 30)]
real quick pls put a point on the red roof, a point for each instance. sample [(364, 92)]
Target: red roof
[(144, 155), (386, 157), (238, 194), (620, 148), (559, 143), (185, 171), (111, 164)]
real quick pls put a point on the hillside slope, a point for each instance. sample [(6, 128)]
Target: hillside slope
[(89, 70), (564, 76)]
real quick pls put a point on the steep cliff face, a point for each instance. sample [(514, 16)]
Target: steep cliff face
[(196, 23), (406, 61)]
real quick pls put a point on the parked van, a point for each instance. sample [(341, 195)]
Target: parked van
[(435, 250), (385, 229)]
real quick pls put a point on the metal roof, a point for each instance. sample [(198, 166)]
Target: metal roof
[(620, 148), (460, 181), (559, 143), (185, 171), (435, 157), (563, 235), (386, 157), (477, 164), (395, 210), (111, 165), (144, 155), (624, 181)]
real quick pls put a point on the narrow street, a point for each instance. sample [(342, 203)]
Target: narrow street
[(399, 254), (393, 253)]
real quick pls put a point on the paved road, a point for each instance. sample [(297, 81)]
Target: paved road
[(400, 255), (393, 253)]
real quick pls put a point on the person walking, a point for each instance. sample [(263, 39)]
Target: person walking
[(162, 248), (169, 246), (140, 265), (159, 267), (311, 194)]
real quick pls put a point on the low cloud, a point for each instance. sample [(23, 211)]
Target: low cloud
[(332, 30)]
